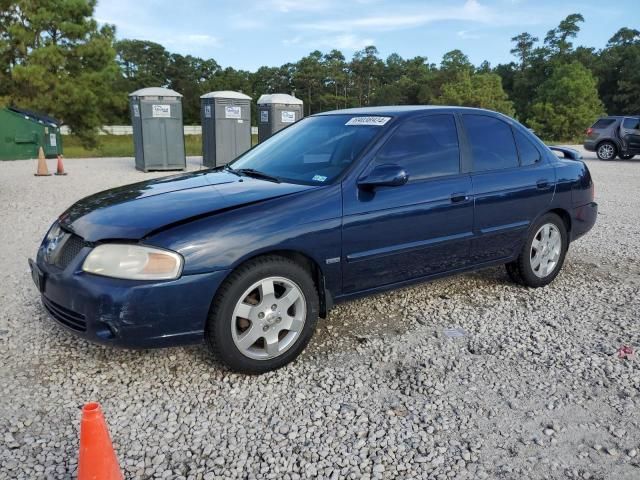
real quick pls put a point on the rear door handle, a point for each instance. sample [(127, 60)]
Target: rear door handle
[(542, 184), (459, 197)]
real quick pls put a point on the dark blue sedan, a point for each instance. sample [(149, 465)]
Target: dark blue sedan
[(337, 206)]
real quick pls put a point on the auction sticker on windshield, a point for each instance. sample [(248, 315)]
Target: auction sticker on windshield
[(371, 121)]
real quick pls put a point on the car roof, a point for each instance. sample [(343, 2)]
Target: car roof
[(404, 110), (618, 117)]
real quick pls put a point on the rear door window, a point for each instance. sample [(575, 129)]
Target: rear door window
[(425, 147), (492, 143), (529, 154)]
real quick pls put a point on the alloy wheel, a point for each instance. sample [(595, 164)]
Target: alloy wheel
[(545, 250), (268, 318), (606, 151)]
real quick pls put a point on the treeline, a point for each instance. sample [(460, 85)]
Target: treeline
[(78, 72)]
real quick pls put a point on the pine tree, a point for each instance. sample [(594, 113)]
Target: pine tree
[(60, 62), (566, 103)]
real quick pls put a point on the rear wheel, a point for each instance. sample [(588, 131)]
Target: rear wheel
[(625, 156), (606, 151), (542, 255), (263, 315)]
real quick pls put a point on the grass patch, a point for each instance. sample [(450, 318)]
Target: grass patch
[(118, 146), (122, 146)]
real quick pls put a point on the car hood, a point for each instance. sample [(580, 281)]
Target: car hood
[(134, 211)]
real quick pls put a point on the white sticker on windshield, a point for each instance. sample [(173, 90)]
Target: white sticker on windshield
[(319, 178), (375, 121)]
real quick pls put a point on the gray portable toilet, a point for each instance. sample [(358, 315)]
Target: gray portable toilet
[(158, 132), (277, 111), (226, 126)]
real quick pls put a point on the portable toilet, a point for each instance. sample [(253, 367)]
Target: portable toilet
[(23, 132), (226, 126), (277, 111), (158, 132)]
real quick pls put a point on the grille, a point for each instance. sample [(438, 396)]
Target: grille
[(70, 249), (66, 317)]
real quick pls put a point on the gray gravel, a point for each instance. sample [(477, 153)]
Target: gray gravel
[(528, 386)]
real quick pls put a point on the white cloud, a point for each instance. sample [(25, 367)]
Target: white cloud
[(300, 5), (468, 35), (245, 22), (202, 39), (292, 41), (349, 42), (471, 10)]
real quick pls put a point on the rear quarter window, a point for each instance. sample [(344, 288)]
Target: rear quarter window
[(604, 123), (529, 154)]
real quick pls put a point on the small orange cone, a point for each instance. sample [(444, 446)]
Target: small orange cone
[(97, 460), (42, 171), (60, 169)]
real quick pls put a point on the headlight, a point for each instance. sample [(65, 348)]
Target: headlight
[(133, 262), (54, 232)]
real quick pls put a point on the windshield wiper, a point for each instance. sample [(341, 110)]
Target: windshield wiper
[(227, 168), (250, 172)]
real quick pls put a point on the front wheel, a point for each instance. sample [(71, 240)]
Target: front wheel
[(606, 151), (542, 255), (263, 315)]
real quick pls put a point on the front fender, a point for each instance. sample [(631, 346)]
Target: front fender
[(307, 222)]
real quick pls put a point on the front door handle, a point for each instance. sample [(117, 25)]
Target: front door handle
[(542, 184), (459, 197)]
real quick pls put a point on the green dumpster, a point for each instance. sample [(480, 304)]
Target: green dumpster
[(23, 132)]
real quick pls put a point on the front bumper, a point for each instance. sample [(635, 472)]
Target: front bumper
[(126, 313), (583, 219)]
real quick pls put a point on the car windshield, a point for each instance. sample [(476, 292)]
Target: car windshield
[(313, 151)]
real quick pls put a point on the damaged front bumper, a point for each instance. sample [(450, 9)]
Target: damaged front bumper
[(126, 313)]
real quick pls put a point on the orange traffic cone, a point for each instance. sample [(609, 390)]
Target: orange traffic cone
[(42, 171), (60, 169), (97, 460)]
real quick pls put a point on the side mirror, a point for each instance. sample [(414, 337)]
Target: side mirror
[(386, 175)]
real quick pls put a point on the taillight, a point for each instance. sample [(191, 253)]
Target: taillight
[(589, 131)]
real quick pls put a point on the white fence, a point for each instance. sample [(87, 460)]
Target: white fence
[(128, 130)]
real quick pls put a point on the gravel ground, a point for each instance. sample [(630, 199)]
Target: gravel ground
[(534, 388)]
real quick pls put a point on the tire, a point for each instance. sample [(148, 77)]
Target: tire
[(524, 270), (242, 311), (607, 151), (627, 156)]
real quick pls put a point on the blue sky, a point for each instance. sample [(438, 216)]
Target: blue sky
[(250, 33)]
